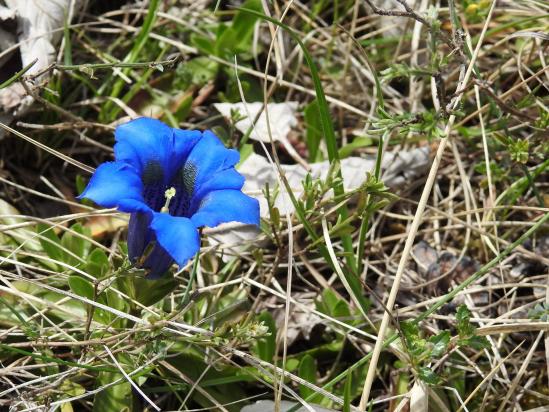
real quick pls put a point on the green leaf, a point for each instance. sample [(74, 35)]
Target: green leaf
[(313, 126), (307, 371), (476, 342), (81, 286), (49, 369), (403, 377), (71, 309), (203, 43), (197, 71), (335, 307), (428, 376), (275, 216), (342, 311), (79, 246), (112, 299), (98, 263), (463, 325), (50, 242), (292, 364), (115, 301), (14, 315), (66, 407), (357, 143), (80, 184), (410, 330), (347, 391), (100, 315), (328, 302), (245, 151), (402, 70), (147, 291), (237, 37), (539, 312), (466, 330), (440, 343), (22, 235), (71, 388), (266, 346), (114, 398), (412, 339), (183, 109)]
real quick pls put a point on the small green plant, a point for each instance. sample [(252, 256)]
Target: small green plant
[(423, 351), (519, 150), (539, 312)]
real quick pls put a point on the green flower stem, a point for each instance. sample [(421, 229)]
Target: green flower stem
[(192, 277), (532, 185), (139, 65), (364, 224), (18, 75)]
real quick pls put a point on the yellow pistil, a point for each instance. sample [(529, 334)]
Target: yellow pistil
[(168, 194)]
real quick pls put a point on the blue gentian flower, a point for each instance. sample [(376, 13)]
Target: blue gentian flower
[(173, 182)]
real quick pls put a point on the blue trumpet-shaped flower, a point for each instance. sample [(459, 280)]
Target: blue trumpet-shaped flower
[(173, 182)]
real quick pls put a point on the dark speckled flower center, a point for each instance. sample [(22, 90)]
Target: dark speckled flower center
[(183, 182), (153, 191), (154, 188)]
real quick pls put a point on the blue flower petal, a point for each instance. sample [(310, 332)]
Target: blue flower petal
[(177, 235), (183, 142), (139, 235), (157, 263), (114, 183), (222, 206), (226, 179), (131, 206), (208, 157), (147, 144)]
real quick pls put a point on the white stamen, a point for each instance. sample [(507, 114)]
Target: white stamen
[(168, 194)]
